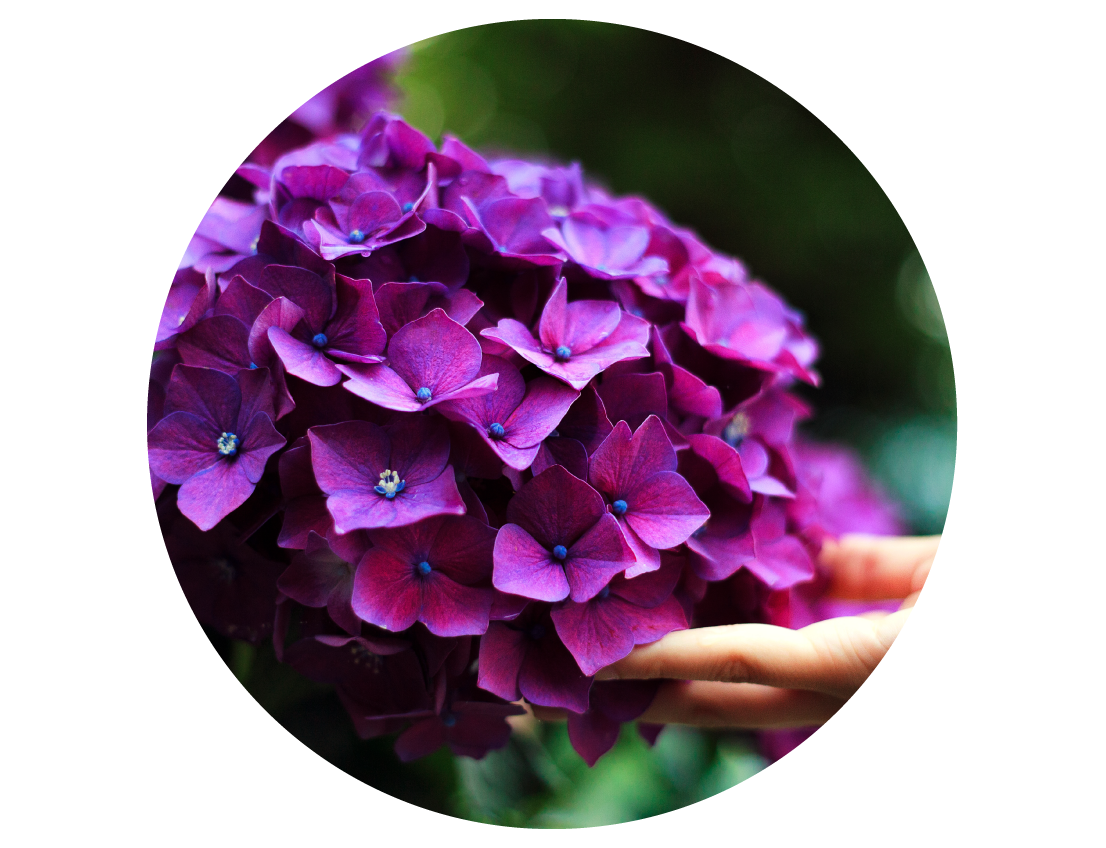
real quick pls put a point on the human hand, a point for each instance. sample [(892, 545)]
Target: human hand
[(758, 676)]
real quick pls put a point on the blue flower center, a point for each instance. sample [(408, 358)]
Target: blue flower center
[(619, 507), (604, 592), (414, 278), (537, 632), (496, 431), (227, 443), (737, 429), (407, 207), (390, 485), (253, 366), (423, 394), (449, 719), (319, 340), (562, 353), (423, 568), (560, 552), (554, 434), (356, 237)]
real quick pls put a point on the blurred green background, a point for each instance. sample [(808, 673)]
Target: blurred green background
[(757, 176)]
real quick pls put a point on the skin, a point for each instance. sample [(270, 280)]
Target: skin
[(757, 676)]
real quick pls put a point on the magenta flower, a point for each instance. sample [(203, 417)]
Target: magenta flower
[(319, 577), (760, 430), (469, 728), (386, 476), (524, 658), (577, 340), (608, 246), (515, 418), (365, 215), (428, 361), (626, 613), (214, 439), (750, 324), (428, 572), (352, 334), (655, 507), (560, 541)]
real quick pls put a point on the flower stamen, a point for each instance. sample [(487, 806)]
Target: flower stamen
[(227, 444), (390, 485)]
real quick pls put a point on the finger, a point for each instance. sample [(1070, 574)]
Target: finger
[(738, 705), (875, 568), (833, 657)]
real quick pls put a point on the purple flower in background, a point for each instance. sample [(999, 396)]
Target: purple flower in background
[(386, 476), (319, 577), (402, 303), (428, 572), (760, 430), (524, 658), (515, 418), (606, 245), (655, 507), (750, 324), (304, 502), (191, 295), (576, 340), (230, 587), (580, 432), (560, 541), (628, 612), (228, 232), (428, 361), (214, 439), (612, 702), (469, 728)]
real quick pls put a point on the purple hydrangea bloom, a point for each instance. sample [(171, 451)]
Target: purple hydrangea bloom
[(575, 340), (388, 476), (655, 507), (429, 361), (560, 541), (485, 489), (428, 572), (214, 439)]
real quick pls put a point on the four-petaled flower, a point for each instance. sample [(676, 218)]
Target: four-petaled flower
[(214, 440)]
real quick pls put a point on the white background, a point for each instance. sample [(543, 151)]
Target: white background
[(980, 121)]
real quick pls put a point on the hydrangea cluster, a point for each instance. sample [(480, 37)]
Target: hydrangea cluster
[(454, 433)]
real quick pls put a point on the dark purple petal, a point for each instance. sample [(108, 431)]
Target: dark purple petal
[(502, 651), (592, 734), (556, 508), (310, 292), (210, 394)]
